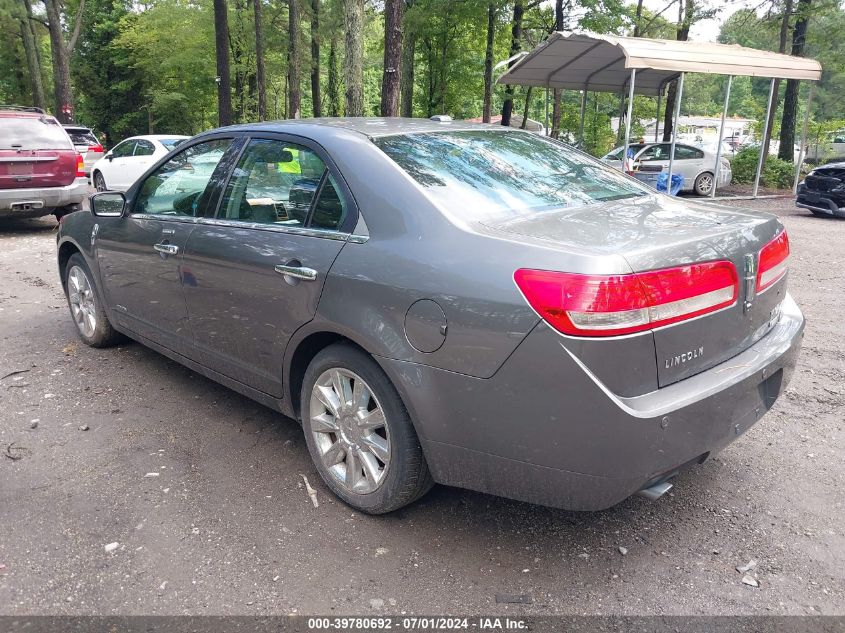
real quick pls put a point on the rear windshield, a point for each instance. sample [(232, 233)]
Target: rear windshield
[(170, 143), (32, 133), (487, 173), (82, 136)]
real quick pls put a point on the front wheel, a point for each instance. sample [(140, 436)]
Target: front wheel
[(359, 433), (86, 308), (99, 182), (704, 184)]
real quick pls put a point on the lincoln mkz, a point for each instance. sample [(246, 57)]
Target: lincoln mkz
[(444, 302)]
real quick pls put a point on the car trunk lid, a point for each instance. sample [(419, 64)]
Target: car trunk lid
[(27, 169), (657, 232)]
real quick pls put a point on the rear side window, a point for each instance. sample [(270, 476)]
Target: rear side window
[(171, 143), (144, 148), (491, 174), (33, 133)]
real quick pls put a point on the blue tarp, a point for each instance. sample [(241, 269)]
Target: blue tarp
[(677, 183)]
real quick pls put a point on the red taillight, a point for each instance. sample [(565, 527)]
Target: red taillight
[(774, 261), (610, 305), (95, 148), (80, 166)]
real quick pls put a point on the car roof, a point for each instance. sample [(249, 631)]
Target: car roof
[(367, 126)]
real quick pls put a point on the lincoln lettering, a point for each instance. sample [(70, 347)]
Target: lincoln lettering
[(682, 358)]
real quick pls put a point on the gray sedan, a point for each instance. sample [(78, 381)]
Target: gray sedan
[(443, 302)]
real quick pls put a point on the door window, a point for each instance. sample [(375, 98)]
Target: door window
[(181, 185), (124, 149), (274, 182), (144, 148), (330, 209), (685, 152)]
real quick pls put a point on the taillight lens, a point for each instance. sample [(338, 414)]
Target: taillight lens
[(610, 305), (774, 262), (95, 148), (80, 166)]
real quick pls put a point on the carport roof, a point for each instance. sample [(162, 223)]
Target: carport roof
[(603, 63)]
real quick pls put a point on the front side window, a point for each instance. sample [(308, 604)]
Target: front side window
[(275, 182), (181, 185), (124, 149), (486, 173)]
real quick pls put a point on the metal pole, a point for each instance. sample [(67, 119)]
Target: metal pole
[(547, 110), (583, 114), (719, 139), (657, 116), (628, 119), (803, 139), (764, 146), (679, 94)]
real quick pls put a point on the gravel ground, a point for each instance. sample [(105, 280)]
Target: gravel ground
[(226, 527)]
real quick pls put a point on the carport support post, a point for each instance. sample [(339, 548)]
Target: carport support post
[(679, 94), (803, 139), (628, 119), (719, 139), (764, 146), (583, 114), (547, 111), (657, 116)]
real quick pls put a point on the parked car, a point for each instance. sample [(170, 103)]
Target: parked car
[(728, 150), (831, 148), (40, 171), (129, 159), (697, 166), (823, 190), (466, 304), (86, 143)]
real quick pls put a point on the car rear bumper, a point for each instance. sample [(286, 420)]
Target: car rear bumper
[(28, 203), (544, 429)]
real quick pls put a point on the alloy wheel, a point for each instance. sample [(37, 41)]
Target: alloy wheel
[(99, 182), (350, 430), (81, 296), (705, 184)]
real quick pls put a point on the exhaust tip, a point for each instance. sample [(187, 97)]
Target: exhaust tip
[(656, 491)]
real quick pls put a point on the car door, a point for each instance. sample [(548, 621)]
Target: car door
[(140, 161), (254, 274), (140, 255), (114, 167), (690, 163)]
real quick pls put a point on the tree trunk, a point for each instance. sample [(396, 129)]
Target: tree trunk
[(260, 80), (392, 57), (525, 111), (790, 99), (685, 12), (353, 63), (333, 87), (487, 109), (224, 81), (516, 44), (30, 48), (60, 54), (637, 30), (406, 84), (316, 100), (294, 66)]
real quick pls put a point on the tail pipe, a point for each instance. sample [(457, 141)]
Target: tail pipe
[(656, 491)]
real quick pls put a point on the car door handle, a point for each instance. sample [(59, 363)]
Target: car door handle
[(167, 249), (297, 272)]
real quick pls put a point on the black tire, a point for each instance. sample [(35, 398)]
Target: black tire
[(102, 334), (701, 186), (406, 476), (99, 182)]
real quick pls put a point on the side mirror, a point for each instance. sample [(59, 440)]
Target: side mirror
[(108, 204), (110, 156)]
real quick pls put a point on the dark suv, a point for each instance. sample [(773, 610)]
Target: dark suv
[(823, 190), (40, 170)]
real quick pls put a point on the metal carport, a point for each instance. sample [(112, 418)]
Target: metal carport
[(588, 62)]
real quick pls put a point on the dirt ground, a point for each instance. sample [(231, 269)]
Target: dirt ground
[(201, 491)]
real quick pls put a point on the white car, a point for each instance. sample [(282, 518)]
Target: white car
[(128, 160), (697, 166)]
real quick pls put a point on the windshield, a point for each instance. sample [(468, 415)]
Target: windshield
[(488, 173), (170, 143), (32, 133)]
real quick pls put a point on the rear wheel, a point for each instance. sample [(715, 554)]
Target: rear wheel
[(99, 182), (704, 184), (86, 308), (359, 433)]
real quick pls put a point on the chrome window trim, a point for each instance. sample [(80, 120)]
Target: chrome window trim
[(258, 226)]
